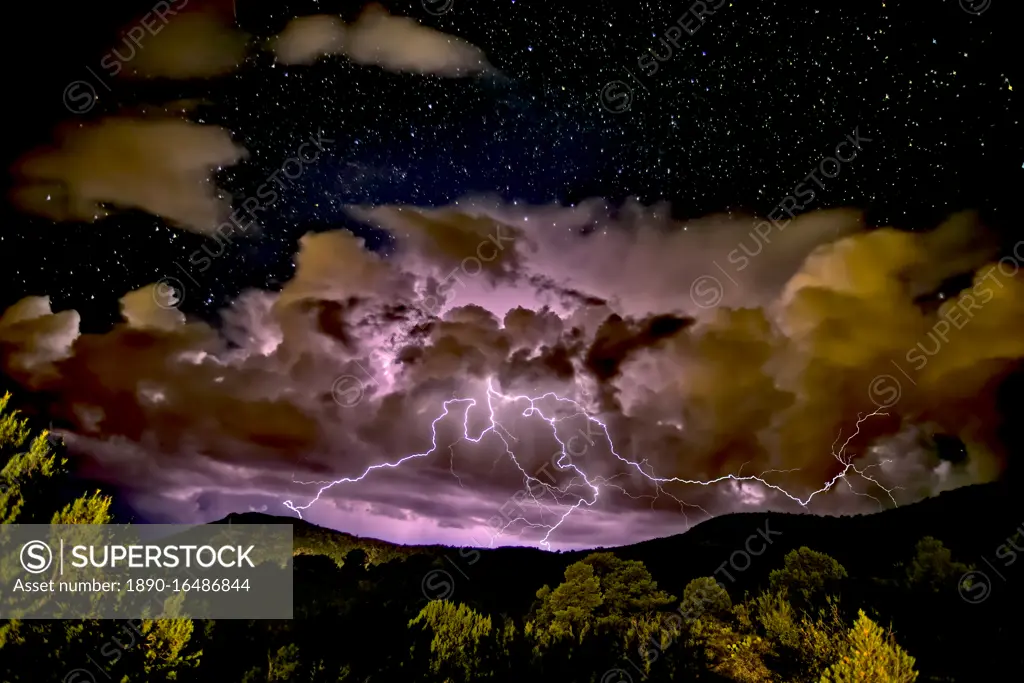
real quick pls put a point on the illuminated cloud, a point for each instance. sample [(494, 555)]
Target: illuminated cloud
[(306, 39), (152, 307), (347, 369), (175, 45), (379, 38), (163, 165)]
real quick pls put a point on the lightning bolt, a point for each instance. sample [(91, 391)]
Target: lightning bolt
[(594, 484)]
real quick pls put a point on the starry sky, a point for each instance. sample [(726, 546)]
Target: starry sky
[(596, 120), (739, 114)]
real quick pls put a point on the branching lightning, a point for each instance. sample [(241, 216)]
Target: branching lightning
[(581, 478)]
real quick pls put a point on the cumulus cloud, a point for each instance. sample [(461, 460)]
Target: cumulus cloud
[(306, 39), (32, 337), (348, 368), (634, 257), (152, 307), (197, 44), (163, 166), (379, 38), (150, 158)]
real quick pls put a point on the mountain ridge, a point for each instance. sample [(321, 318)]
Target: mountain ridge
[(971, 521), (992, 498)]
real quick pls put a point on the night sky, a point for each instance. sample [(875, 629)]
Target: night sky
[(557, 120)]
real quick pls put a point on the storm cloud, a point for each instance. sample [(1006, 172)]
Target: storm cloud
[(363, 360)]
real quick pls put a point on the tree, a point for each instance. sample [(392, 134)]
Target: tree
[(871, 656), (167, 651), (29, 479), (627, 589), (728, 652), (601, 594), (32, 481), (805, 578), (457, 648), (356, 560), (568, 611), (704, 595), (802, 645), (94, 509), (933, 570), (778, 620)]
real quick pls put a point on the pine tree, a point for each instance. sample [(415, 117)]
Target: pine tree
[(601, 594), (871, 656), (933, 570), (459, 645), (29, 479), (31, 484), (704, 596), (806, 577)]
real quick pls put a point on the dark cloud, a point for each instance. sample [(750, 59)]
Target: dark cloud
[(617, 339)]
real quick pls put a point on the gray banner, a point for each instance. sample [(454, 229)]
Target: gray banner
[(145, 571)]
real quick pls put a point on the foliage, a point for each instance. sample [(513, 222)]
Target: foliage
[(871, 656), (568, 611), (167, 643), (729, 652), (29, 478), (311, 540), (805, 577), (933, 570), (601, 594), (802, 644), (30, 492), (627, 589), (458, 632), (705, 595), (93, 509)]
